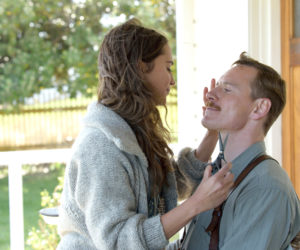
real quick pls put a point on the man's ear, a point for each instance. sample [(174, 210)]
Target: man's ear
[(261, 108)]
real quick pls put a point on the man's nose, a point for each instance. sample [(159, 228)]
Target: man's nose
[(211, 95)]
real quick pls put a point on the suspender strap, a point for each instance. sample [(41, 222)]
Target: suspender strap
[(214, 225), (247, 170)]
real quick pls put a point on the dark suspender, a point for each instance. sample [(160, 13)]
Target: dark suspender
[(214, 225)]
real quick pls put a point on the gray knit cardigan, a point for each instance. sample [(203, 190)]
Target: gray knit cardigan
[(104, 202)]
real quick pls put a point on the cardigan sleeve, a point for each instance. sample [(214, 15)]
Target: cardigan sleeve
[(105, 190), (188, 171)]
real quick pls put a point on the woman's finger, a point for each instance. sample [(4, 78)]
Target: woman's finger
[(212, 83), (205, 91), (225, 169), (207, 172)]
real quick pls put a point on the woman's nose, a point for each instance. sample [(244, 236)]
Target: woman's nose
[(172, 83)]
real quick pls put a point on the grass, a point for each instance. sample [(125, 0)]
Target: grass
[(33, 184)]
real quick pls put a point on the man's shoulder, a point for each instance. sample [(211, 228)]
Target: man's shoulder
[(270, 170), (269, 175)]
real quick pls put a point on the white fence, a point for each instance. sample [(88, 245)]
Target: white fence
[(14, 160)]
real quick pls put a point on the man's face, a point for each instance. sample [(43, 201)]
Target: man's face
[(230, 103)]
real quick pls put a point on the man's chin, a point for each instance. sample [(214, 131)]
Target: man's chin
[(209, 125), (205, 124)]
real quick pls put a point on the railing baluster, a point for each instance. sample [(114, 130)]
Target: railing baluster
[(16, 216)]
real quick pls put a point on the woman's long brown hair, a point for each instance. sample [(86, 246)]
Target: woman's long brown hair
[(122, 89)]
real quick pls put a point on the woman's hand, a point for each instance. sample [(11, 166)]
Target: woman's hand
[(210, 132), (208, 144), (213, 189), (211, 192), (205, 91)]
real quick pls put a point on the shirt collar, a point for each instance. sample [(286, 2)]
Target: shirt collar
[(242, 161)]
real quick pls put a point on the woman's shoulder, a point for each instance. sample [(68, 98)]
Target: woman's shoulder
[(101, 126), (94, 147)]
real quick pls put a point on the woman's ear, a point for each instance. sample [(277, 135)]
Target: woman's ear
[(142, 66), (261, 108)]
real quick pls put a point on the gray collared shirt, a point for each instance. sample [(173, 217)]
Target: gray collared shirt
[(263, 212)]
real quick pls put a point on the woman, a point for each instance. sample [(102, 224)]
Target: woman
[(120, 187)]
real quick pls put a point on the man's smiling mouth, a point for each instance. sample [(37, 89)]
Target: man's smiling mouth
[(210, 105)]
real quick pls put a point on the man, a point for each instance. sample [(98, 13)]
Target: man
[(263, 212)]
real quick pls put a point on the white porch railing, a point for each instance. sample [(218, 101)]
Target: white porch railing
[(14, 160)]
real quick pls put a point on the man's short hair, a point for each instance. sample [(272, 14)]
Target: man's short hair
[(267, 84)]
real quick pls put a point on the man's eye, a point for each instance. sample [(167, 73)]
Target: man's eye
[(227, 90), (169, 69)]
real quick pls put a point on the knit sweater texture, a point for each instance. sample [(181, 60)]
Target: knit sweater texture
[(104, 202)]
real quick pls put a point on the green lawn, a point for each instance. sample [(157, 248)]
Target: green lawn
[(33, 184)]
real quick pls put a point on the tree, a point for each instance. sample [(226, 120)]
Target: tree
[(54, 43)]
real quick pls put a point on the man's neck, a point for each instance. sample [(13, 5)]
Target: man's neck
[(238, 142)]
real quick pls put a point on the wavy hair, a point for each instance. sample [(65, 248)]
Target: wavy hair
[(122, 89)]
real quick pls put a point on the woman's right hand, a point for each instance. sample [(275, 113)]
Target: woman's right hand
[(211, 192), (213, 189)]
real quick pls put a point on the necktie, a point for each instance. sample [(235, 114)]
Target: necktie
[(214, 225), (217, 164)]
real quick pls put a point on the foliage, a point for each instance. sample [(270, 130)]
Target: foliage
[(46, 236), (35, 180), (54, 43)]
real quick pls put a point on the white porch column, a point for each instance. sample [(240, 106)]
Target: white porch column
[(188, 105), (210, 37), (264, 45)]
